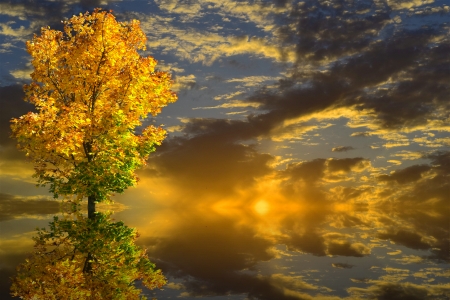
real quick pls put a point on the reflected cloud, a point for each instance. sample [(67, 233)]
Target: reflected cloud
[(226, 233), (12, 207), (342, 149)]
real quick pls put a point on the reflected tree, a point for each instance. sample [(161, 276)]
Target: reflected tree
[(59, 268)]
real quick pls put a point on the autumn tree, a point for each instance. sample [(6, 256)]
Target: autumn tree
[(91, 89)]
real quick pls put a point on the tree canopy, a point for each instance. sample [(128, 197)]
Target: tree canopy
[(91, 89)]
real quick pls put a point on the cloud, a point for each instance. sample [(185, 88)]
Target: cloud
[(342, 265), (389, 290), (406, 238), (203, 46), (209, 161), (9, 31), (251, 81), (23, 74), (386, 96), (213, 258), (231, 104), (348, 249), (342, 148), (18, 207), (407, 4), (228, 96), (187, 82), (256, 46), (346, 165), (407, 175), (409, 155), (409, 259), (191, 8), (310, 171)]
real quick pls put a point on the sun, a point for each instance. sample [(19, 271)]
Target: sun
[(262, 207)]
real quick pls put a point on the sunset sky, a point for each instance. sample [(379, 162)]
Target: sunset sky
[(308, 154)]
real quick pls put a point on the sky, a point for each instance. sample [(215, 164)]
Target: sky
[(307, 157)]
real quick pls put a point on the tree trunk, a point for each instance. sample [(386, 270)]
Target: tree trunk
[(87, 268), (91, 207), (91, 215)]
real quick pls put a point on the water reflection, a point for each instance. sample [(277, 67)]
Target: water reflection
[(294, 234), (85, 258), (284, 234)]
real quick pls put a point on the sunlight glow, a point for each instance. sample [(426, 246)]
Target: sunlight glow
[(262, 207)]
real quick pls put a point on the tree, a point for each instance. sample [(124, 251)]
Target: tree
[(58, 267), (91, 89)]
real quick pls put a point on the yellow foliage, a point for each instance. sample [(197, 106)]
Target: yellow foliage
[(91, 89)]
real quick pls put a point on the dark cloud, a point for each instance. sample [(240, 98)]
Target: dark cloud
[(50, 13), (43, 13), (255, 287), (360, 280), (209, 162), (430, 228), (413, 61), (310, 171), (310, 242), (215, 78), (407, 175), (394, 291), (424, 204), (423, 188), (345, 164), (13, 206), (313, 171), (347, 221), (210, 258), (342, 149), (209, 251), (348, 249), (368, 53), (227, 130), (349, 193), (238, 64), (360, 134), (415, 67), (90, 4), (406, 238), (329, 29), (342, 265), (265, 290), (281, 3), (353, 80), (441, 161)]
